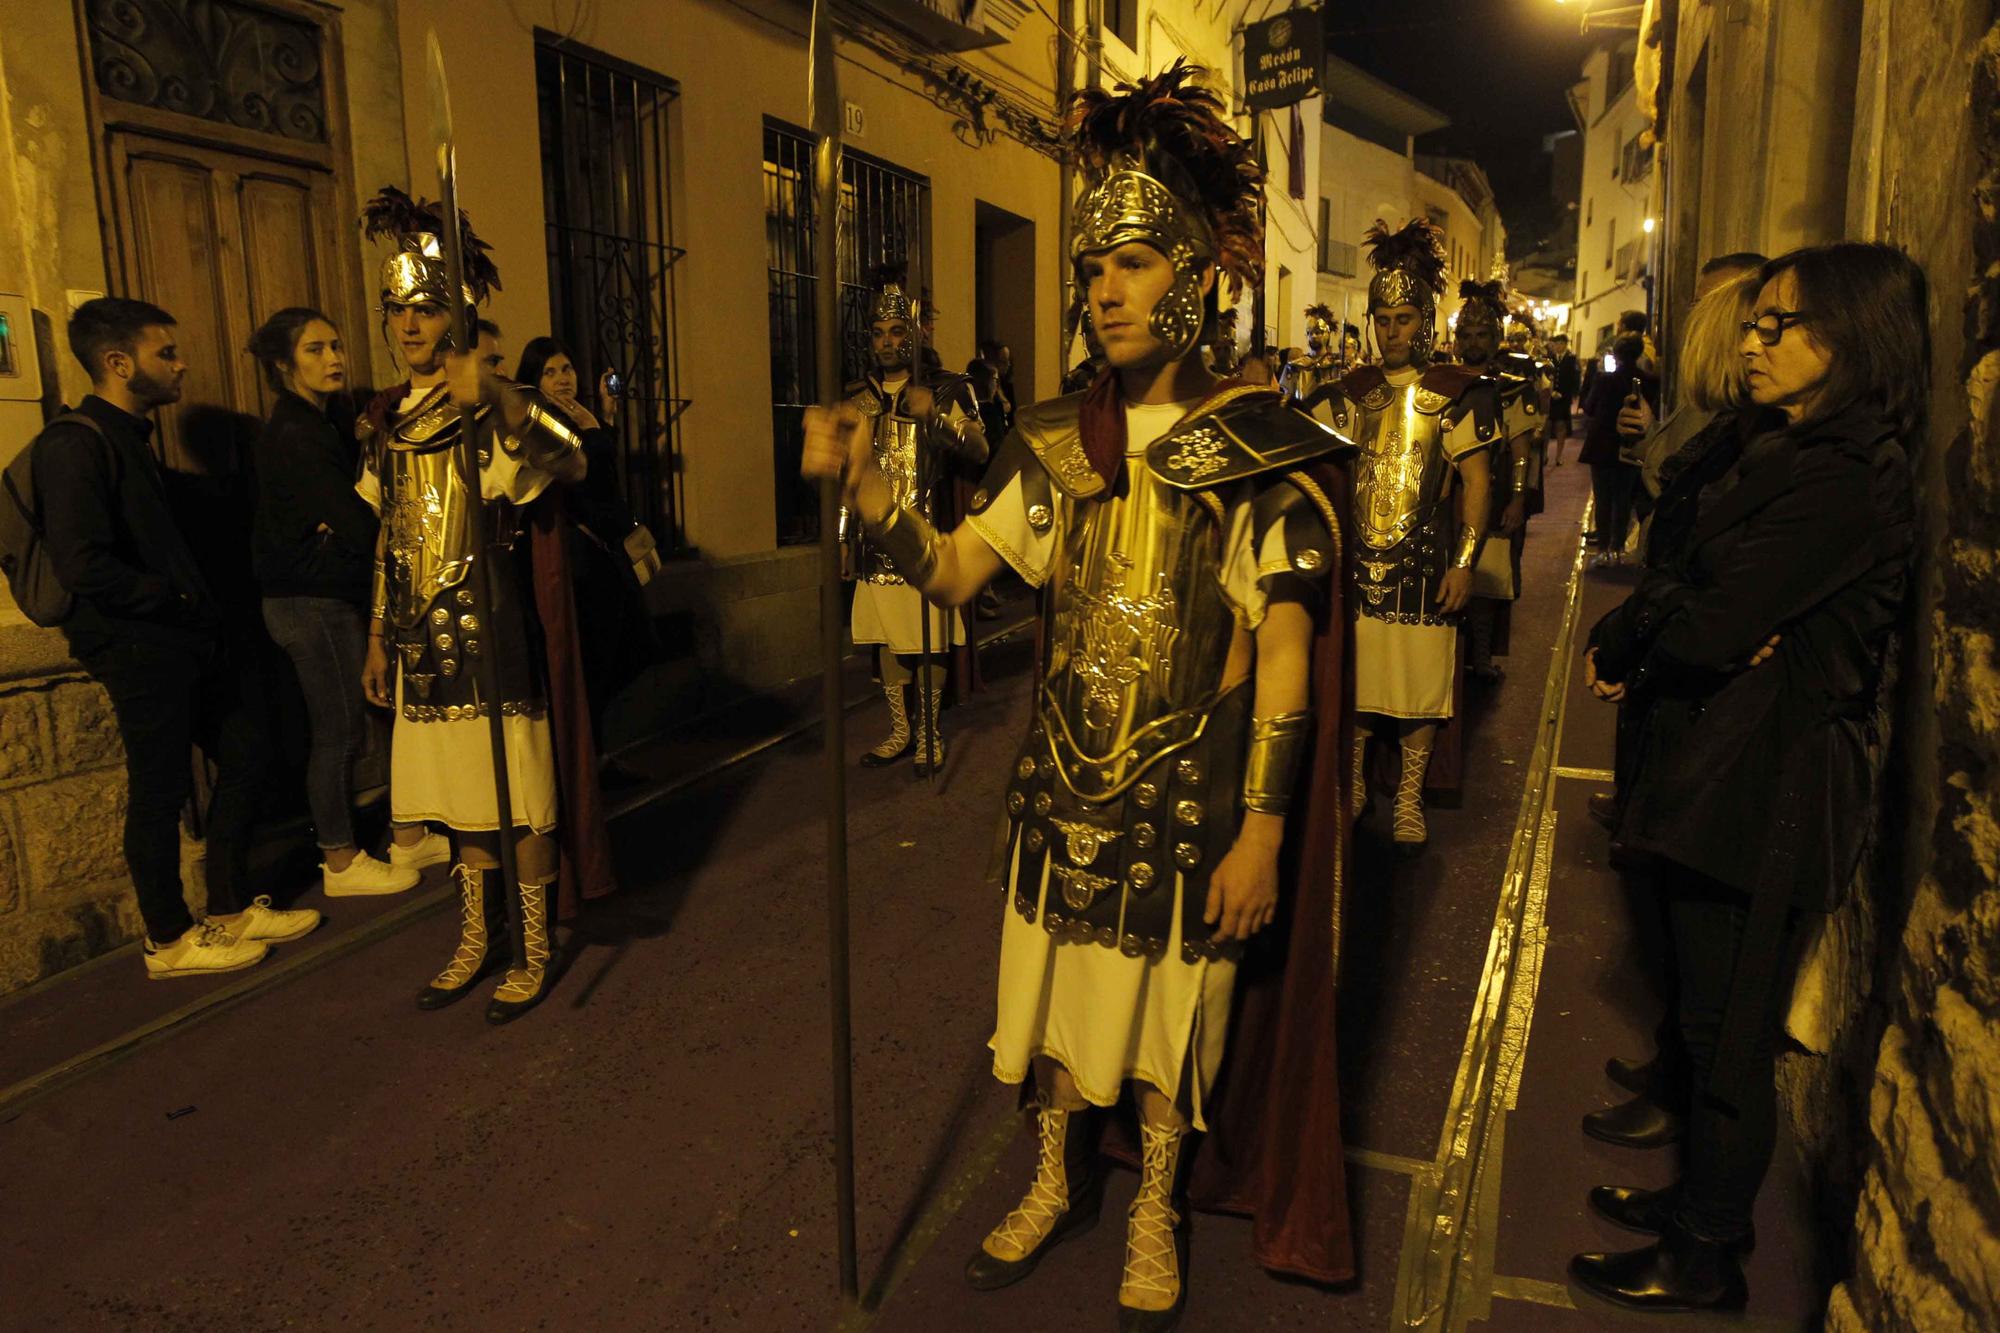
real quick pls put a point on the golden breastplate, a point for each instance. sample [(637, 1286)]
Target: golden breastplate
[(1137, 635), (426, 510), (1400, 473)]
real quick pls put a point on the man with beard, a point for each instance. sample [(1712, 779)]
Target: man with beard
[(426, 635), (918, 433), (1185, 533), (149, 627), (1496, 579), (1425, 433)]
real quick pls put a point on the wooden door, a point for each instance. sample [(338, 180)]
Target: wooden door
[(221, 240)]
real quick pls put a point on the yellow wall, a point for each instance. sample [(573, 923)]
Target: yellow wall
[(734, 67)]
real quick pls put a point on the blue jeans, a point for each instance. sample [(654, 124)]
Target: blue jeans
[(324, 637)]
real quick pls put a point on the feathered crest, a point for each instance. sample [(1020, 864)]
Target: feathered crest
[(1416, 248), (1178, 133), (393, 214), (1320, 310), (1488, 296), (890, 273)]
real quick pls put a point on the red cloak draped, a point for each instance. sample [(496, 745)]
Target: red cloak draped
[(1273, 1151)]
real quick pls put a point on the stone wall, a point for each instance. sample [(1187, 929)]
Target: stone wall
[(1923, 1059), (64, 894)]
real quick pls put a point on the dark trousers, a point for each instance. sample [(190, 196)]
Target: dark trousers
[(1726, 1150), (167, 700), (324, 636), (1612, 484)]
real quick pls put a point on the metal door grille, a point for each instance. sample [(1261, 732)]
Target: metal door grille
[(884, 215), (606, 178)]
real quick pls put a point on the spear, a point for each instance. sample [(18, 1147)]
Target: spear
[(926, 718), (485, 666), (824, 96)]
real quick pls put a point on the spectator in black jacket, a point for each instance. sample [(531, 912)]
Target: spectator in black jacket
[(148, 627), (1566, 383), (313, 554), (1751, 786), (1612, 475)]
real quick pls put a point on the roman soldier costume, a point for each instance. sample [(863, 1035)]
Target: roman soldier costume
[(1161, 536), (1496, 577), (441, 759), (917, 458), (1311, 381), (1414, 426)]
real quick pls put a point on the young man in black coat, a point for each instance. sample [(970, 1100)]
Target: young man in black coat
[(148, 626)]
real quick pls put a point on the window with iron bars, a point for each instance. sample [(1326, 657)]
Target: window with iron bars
[(884, 219), (607, 141)]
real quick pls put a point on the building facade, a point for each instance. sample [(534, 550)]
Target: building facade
[(1616, 253), (642, 171)]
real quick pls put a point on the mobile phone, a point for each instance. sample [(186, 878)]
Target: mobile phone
[(1638, 389), (614, 384), (1610, 363)]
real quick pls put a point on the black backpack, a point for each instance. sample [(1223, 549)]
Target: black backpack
[(24, 558)]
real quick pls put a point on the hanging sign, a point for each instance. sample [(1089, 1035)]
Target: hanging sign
[(1282, 59)]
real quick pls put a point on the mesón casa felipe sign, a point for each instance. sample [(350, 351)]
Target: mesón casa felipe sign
[(1282, 59)]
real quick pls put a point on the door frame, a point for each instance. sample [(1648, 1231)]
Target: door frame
[(104, 115)]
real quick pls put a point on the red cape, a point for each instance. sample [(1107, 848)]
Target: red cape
[(1273, 1149), (586, 870)]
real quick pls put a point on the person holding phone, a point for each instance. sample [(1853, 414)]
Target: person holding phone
[(1621, 385)]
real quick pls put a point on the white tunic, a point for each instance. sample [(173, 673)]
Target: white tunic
[(442, 772), (1408, 671), (1104, 1016), (892, 614)]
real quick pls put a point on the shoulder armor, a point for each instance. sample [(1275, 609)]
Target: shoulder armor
[(1014, 458), (864, 397), (1053, 430), (432, 417), (1310, 525), (1447, 383), (1368, 386), (1253, 432)]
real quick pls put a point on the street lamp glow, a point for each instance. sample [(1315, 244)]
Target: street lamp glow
[(1647, 226)]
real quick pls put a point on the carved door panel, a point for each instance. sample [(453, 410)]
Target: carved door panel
[(220, 240)]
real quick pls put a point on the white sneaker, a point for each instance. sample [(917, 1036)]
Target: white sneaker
[(366, 875), (261, 922), (433, 849), (206, 947)]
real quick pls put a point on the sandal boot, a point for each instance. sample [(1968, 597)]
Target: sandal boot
[(1063, 1202), (1358, 794), (930, 737), (1407, 827), (475, 955), (898, 744), (522, 988), (1153, 1290)]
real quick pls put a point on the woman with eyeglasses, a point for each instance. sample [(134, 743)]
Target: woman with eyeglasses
[(1751, 782)]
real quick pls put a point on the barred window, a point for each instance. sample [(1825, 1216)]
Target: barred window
[(884, 219)]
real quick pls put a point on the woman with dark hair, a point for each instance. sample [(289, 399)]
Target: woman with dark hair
[(1751, 782), (612, 556), (313, 549), (1612, 477)]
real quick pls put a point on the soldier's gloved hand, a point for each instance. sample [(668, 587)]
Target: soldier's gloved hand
[(837, 447)]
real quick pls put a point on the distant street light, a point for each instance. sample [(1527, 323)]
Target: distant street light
[(1647, 226)]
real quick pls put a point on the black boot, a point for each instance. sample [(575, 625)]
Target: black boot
[(523, 987), (1647, 1211), (1065, 1199), (1680, 1271), (1632, 1075), (1639, 1123)]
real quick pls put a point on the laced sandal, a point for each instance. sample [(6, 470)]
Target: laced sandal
[(1153, 1289), (898, 744), (522, 988), (1063, 1202), (1359, 796), (1407, 826), (930, 738), (475, 955)]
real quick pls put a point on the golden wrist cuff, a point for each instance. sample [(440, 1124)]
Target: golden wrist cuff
[(910, 542), (1468, 547), (1271, 768)]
